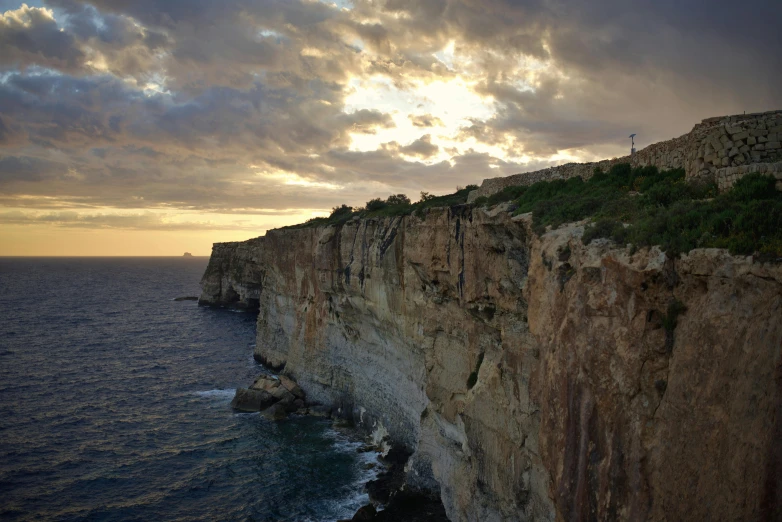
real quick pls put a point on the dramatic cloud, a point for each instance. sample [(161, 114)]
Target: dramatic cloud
[(279, 108), (425, 120)]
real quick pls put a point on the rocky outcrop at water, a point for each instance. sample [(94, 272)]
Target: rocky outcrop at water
[(530, 377), (275, 397)]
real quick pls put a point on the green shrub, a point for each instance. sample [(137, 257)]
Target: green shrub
[(679, 217), (341, 213), (397, 200), (641, 206), (373, 205)]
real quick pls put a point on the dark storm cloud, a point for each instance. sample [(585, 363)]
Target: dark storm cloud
[(24, 168), (366, 121), (422, 147), (30, 35)]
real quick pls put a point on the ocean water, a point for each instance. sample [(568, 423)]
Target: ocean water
[(115, 405)]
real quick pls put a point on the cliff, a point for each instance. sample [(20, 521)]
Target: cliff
[(234, 275), (534, 378)]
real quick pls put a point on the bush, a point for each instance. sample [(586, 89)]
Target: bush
[(398, 199), (679, 217), (373, 205), (340, 213)]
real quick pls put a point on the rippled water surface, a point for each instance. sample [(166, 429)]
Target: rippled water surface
[(114, 404)]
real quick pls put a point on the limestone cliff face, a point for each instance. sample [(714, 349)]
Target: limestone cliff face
[(535, 378), (234, 276)]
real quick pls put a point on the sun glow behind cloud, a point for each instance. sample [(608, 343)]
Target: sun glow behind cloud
[(453, 102)]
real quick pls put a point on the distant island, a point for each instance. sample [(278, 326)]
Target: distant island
[(187, 254)]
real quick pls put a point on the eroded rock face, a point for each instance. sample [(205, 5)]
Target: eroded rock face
[(234, 276), (535, 378)]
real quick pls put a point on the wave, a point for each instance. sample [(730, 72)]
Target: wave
[(217, 394), (356, 497)]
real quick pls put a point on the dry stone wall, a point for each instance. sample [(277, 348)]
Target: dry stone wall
[(713, 145), (726, 177)]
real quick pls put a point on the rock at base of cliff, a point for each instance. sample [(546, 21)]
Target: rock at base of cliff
[(388, 482), (365, 513), (276, 412), (252, 400), (292, 387), (412, 507), (265, 383), (286, 399)]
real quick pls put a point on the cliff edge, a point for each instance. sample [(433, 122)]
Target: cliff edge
[(532, 377)]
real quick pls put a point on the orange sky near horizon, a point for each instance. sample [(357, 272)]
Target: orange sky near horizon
[(34, 241)]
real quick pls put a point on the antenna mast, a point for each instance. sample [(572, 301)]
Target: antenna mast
[(632, 144)]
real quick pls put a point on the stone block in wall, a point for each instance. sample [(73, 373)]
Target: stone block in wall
[(773, 136), (706, 150), (771, 145)]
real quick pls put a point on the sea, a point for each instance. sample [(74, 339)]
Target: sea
[(115, 405)]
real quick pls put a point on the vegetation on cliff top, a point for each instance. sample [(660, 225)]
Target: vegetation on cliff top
[(394, 205), (644, 207), (640, 206)]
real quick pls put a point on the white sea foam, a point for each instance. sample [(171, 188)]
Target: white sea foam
[(217, 394), (346, 507)]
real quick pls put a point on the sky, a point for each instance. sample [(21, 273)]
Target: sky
[(155, 127)]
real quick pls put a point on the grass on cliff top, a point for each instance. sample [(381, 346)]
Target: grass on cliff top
[(644, 207), (394, 205)]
